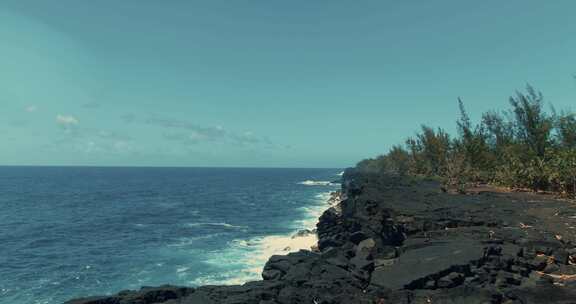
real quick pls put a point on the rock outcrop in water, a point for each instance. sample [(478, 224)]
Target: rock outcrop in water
[(401, 240)]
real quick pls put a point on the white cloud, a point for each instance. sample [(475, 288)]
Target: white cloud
[(31, 108), (66, 120), (192, 133)]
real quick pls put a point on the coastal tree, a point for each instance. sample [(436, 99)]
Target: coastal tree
[(473, 147), (524, 147), (533, 126)]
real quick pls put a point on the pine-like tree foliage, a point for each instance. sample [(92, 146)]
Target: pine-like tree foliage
[(566, 128), (533, 126), (523, 147)]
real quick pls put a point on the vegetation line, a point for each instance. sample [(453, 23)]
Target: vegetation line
[(522, 147)]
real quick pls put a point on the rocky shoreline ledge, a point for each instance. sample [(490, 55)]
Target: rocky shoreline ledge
[(403, 240)]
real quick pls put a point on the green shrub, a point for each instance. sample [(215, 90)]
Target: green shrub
[(524, 147)]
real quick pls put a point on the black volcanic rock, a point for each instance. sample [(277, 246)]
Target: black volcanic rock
[(404, 240), (162, 294)]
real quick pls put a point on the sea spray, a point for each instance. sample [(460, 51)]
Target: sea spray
[(251, 255)]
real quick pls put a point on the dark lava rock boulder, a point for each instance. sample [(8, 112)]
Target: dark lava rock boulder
[(145, 295)]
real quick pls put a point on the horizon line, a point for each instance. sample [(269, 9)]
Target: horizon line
[(160, 166)]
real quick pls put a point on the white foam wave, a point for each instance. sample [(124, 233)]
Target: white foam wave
[(316, 183), (247, 257), (232, 277), (340, 174), (324, 196), (226, 225), (313, 211), (187, 241)]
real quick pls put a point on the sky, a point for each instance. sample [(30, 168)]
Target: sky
[(263, 83)]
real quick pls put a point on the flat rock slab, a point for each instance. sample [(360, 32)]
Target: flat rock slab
[(427, 259)]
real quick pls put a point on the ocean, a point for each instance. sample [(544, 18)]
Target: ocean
[(69, 232)]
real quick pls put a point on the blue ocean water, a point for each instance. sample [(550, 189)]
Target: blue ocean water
[(68, 232)]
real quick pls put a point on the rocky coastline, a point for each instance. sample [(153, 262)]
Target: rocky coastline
[(398, 239)]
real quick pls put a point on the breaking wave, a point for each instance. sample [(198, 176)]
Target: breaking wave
[(317, 183), (245, 259), (226, 225)]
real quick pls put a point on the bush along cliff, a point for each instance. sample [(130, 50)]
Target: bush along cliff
[(395, 239), (523, 147)]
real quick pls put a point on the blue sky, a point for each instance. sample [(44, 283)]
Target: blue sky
[(263, 83)]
